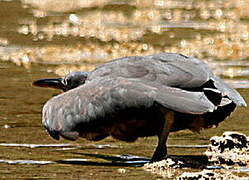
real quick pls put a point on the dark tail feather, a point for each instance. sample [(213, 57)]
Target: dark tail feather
[(219, 115)]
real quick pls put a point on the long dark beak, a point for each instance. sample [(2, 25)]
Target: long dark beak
[(55, 83)]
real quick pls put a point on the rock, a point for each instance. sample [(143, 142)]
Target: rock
[(166, 168), (121, 170), (231, 148)]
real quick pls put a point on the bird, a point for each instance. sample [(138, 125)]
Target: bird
[(138, 96)]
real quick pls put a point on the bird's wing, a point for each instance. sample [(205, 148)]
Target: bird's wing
[(182, 71), (167, 69), (228, 91), (198, 72), (98, 101)]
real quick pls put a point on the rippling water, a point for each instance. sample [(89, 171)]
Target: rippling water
[(43, 38)]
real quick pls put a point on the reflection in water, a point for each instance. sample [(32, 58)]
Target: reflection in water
[(60, 36), (120, 160), (68, 146), (35, 145), (25, 162)]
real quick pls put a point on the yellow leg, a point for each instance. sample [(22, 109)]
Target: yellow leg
[(161, 149)]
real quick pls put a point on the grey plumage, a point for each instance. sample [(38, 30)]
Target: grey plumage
[(129, 98)]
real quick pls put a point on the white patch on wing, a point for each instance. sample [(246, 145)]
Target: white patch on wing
[(214, 90), (225, 101)]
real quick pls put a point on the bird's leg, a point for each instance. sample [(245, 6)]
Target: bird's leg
[(161, 149)]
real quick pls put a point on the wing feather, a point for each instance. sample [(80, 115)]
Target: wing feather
[(168, 69), (100, 99)]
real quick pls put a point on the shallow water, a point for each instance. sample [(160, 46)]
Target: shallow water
[(37, 41), (27, 151)]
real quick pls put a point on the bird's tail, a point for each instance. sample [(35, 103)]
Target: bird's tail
[(220, 114)]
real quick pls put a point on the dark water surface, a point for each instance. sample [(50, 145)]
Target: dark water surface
[(51, 37)]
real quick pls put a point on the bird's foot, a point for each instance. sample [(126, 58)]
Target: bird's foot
[(159, 154)]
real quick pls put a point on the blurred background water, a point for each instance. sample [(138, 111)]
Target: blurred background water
[(48, 38)]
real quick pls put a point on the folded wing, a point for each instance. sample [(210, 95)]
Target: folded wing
[(97, 101)]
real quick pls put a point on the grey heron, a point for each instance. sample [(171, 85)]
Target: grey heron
[(138, 96)]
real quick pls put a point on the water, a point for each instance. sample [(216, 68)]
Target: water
[(41, 40)]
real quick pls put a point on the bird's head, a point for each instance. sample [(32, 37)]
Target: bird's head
[(70, 81)]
